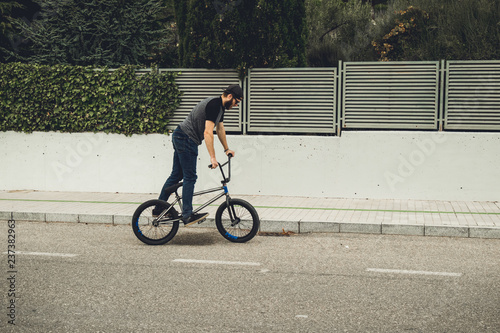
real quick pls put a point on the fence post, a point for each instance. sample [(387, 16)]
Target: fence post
[(248, 97), (442, 76), (245, 105), (338, 98)]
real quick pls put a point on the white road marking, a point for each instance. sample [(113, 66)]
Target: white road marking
[(301, 316), (402, 271), (45, 254), (217, 262)]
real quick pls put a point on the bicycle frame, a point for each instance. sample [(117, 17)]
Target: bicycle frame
[(223, 188)]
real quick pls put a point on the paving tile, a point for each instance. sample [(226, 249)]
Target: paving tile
[(489, 207), (298, 214), (356, 217), (428, 218), (419, 218), (480, 220), (470, 220), (474, 207), (388, 216), (487, 219), (460, 207), (462, 220), (412, 218), (332, 217), (396, 216), (446, 219), (379, 218), (496, 221), (340, 216), (322, 216), (365, 217)]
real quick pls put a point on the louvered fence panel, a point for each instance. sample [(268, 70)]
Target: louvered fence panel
[(198, 84), (292, 100), (472, 95), (390, 95)]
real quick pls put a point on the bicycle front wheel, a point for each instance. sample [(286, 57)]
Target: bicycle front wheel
[(238, 222), (154, 222)]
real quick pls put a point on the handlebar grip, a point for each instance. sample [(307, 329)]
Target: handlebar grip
[(230, 155), (210, 166)]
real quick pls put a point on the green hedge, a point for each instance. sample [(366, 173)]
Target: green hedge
[(81, 99)]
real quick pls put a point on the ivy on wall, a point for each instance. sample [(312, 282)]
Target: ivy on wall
[(82, 99)]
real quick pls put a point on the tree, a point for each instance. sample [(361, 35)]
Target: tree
[(165, 53), (5, 10), (401, 43), (442, 29), (242, 33), (21, 9), (98, 33), (338, 30)]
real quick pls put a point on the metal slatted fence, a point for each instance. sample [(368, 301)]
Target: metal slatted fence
[(390, 95), (472, 95), (198, 84), (292, 100)]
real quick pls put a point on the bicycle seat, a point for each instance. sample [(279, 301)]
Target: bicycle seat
[(171, 189)]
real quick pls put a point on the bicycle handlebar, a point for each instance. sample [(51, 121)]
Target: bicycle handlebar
[(229, 156), (224, 179)]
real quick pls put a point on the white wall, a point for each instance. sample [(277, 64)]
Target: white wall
[(364, 164)]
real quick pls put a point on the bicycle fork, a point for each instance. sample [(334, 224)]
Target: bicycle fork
[(232, 212)]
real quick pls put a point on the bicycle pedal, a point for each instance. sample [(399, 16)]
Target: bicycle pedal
[(201, 221)]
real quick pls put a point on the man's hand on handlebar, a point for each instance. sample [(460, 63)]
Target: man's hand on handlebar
[(214, 162), (230, 153)]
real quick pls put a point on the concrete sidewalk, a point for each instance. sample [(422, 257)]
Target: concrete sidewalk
[(277, 214)]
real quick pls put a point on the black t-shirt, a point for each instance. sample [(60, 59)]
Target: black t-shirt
[(213, 108), (208, 109)]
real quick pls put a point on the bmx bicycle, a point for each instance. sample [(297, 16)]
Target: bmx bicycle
[(155, 222)]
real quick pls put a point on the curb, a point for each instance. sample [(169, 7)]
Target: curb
[(299, 227)]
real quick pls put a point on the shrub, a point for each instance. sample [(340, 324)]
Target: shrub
[(81, 99)]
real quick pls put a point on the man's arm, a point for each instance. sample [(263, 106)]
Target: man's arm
[(221, 134), (209, 141)]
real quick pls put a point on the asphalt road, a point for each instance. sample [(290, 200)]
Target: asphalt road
[(97, 278)]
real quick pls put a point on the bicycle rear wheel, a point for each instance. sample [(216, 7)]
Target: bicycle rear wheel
[(154, 222), (238, 222)]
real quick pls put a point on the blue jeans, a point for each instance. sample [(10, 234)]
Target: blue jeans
[(184, 168)]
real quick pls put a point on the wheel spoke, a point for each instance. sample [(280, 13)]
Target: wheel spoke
[(146, 226), (245, 221)]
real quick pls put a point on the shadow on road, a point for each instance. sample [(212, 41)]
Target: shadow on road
[(199, 237)]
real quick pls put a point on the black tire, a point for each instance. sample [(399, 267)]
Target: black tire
[(155, 230), (247, 221)]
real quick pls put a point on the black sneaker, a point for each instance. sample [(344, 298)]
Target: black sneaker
[(157, 211), (194, 218), (170, 214)]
